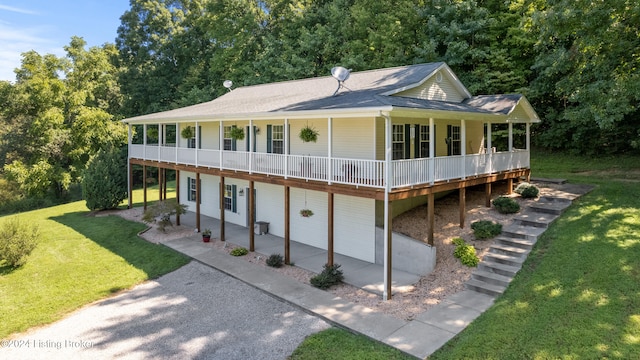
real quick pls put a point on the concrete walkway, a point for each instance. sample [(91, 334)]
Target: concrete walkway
[(420, 337)]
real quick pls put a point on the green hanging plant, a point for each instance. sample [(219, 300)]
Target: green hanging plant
[(306, 213), (188, 132), (237, 133), (308, 134)]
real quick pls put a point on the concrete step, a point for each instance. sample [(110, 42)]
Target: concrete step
[(522, 232), (526, 244), (498, 268), (549, 207), (535, 218), (491, 278), (505, 259), (485, 288), (504, 249)]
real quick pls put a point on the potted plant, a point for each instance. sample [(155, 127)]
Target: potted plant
[(206, 235), (188, 132), (237, 133), (306, 213), (308, 134)]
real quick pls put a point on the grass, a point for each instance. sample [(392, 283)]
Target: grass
[(79, 259), (340, 344), (578, 294)]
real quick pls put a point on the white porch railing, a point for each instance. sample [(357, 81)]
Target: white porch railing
[(340, 170)]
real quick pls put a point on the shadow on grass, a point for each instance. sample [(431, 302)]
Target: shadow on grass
[(119, 236)]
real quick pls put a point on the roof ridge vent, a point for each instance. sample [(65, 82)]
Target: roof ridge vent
[(341, 74)]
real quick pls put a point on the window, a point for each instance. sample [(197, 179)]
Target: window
[(397, 139), (277, 139), (192, 191), (453, 140), (228, 141), (423, 138), (230, 198)]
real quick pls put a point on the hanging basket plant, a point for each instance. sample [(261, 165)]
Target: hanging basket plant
[(308, 134), (237, 133), (188, 132), (306, 213)]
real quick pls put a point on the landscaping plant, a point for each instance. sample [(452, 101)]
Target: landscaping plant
[(275, 260), (239, 251), (162, 211), (506, 205), (485, 229), (17, 241), (465, 252), (527, 190), (330, 275)]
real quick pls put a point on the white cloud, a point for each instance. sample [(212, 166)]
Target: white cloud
[(17, 10), (15, 41)]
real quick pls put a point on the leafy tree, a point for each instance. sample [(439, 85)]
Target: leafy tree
[(104, 184)]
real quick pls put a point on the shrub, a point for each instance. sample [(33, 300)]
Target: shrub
[(275, 260), (466, 253), (239, 251), (485, 229), (527, 191), (506, 205), (17, 241), (104, 184), (330, 275), (161, 213)]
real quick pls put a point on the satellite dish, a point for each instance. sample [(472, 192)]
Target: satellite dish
[(341, 74), (228, 84)]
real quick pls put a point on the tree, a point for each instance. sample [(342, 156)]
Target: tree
[(104, 184)]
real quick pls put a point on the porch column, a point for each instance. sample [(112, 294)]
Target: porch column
[(159, 144), (329, 148), (528, 140), (487, 194), (286, 148), (287, 218), (330, 230), (250, 140), (510, 149), (220, 145), (430, 217), (144, 187), (177, 141), (222, 188), (462, 192), (197, 145), (463, 147), (160, 183), (387, 210), (252, 220), (130, 184), (178, 195), (164, 185), (432, 151), (144, 140), (198, 201), (509, 186), (489, 150)]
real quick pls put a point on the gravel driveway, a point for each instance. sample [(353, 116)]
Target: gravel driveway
[(193, 313)]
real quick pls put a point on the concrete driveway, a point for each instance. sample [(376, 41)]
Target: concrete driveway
[(195, 312)]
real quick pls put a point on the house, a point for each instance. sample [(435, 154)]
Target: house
[(387, 140)]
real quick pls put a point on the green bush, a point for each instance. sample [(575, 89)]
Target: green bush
[(330, 275), (466, 253), (527, 191), (17, 241), (162, 211), (275, 260), (104, 184), (485, 229), (506, 205), (239, 251)]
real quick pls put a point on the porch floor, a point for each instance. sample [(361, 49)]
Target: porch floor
[(365, 275)]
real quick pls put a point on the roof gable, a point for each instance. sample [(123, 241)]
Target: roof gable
[(440, 85)]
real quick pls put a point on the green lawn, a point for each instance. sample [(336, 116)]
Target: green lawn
[(578, 294), (79, 259)]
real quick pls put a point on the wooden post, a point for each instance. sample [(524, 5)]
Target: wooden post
[(430, 217), (222, 208), (252, 221), (330, 231), (144, 187), (463, 202), (178, 195), (130, 188), (164, 185), (389, 253), (487, 194), (160, 183), (509, 186), (198, 201), (287, 218)]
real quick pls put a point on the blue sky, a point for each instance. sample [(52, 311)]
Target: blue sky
[(47, 25)]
